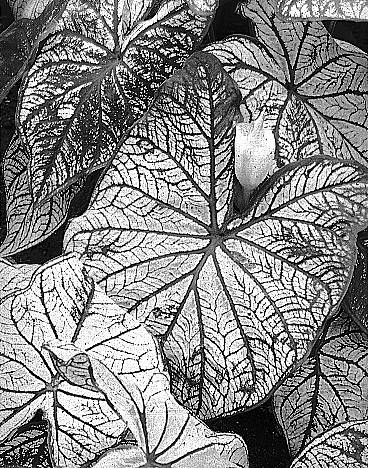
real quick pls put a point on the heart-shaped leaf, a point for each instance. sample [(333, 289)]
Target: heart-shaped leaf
[(236, 302), (344, 446), (331, 387), (356, 298), (27, 8), (28, 223), (61, 302), (351, 10), (312, 91), (94, 78), (19, 43), (166, 433), (27, 448)]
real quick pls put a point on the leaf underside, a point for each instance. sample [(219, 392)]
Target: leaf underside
[(235, 302), (329, 388), (93, 79), (312, 89)]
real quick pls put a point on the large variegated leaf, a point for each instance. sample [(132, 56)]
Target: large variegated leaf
[(344, 446), (28, 223), (236, 302), (313, 92), (166, 433), (353, 10), (331, 387), (356, 298), (27, 448), (27, 8), (94, 78), (19, 43), (61, 302)]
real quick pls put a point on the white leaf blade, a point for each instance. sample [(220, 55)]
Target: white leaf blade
[(95, 83), (344, 446), (27, 224), (307, 110), (287, 261), (348, 10), (329, 388)]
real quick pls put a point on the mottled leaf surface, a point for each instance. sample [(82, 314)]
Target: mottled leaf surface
[(344, 446), (61, 303), (312, 91), (27, 448), (19, 43), (348, 10), (166, 433), (356, 298), (330, 388), (236, 302), (27, 8), (94, 78), (28, 223)]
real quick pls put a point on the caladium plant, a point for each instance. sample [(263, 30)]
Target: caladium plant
[(160, 238), (210, 268)]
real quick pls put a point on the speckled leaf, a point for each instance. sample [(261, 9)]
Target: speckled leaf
[(166, 433), (28, 223), (237, 302), (356, 298), (27, 8), (19, 43), (27, 448), (61, 302), (330, 388), (348, 10), (314, 93), (344, 446), (93, 79)]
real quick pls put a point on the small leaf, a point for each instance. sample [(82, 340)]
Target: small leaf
[(27, 448), (331, 386), (344, 446), (19, 43), (28, 223), (313, 92), (349, 10), (166, 433), (203, 7), (235, 302), (93, 79)]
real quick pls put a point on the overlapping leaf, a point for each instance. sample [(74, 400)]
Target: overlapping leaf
[(356, 298), (82, 423), (330, 388), (236, 304), (166, 433), (28, 223), (344, 446), (313, 91), (94, 78), (19, 42), (27, 8), (27, 448), (353, 10)]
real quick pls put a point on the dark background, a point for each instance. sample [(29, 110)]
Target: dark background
[(259, 428)]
